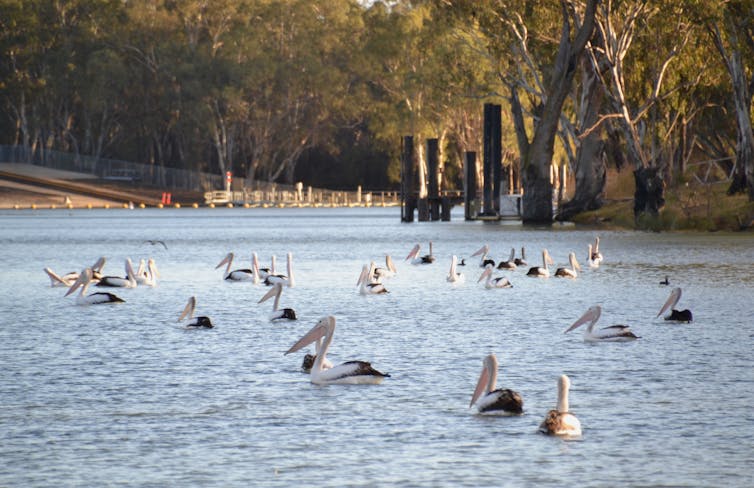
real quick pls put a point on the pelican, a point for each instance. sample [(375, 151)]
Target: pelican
[(83, 281), (416, 259), (541, 272), (596, 254), (613, 333), (569, 272), (453, 275), (590, 260), (118, 281), (286, 280), (235, 275), (499, 282), (68, 278), (367, 287), (188, 312), (350, 372), (510, 263), (278, 314), (560, 421), (494, 402), (675, 315), (147, 274), (387, 272), (484, 261), (260, 273), (308, 362), (522, 260)]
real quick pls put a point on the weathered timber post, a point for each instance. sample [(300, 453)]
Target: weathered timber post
[(492, 158), (433, 187), (469, 186), (408, 200)]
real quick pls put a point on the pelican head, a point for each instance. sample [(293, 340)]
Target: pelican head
[(226, 260), (188, 311), (487, 378), (325, 326), (592, 315), (573, 261), (671, 302), (564, 385), (414, 252), (83, 280), (482, 251)]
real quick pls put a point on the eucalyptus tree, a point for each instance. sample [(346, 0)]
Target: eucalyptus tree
[(731, 27)]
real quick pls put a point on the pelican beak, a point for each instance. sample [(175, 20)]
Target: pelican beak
[(414, 252), (480, 385), (675, 295), (587, 317), (389, 263), (362, 275), (84, 277), (225, 260), (99, 264), (271, 293), (487, 271), (482, 250), (315, 333), (188, 310)]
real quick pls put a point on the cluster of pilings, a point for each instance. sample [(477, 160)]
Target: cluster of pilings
[(436, 205)]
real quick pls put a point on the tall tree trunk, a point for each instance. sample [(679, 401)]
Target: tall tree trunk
[(589, 167), (537, 158)]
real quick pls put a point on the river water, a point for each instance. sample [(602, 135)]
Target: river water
[(117, 395)]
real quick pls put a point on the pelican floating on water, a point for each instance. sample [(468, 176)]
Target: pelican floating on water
[(569, 272), (499, 282), (522, 260), (494, 402), (510, 263), (147, 274), (188, 312), (350, 372), (613, 333), (118, 281), (278, 314), (286, 280), (368, 287), (235, 275), (560, 421), (675, 315), (83, 282), (453, 275), (416, 259), (541, 271), (484, 260), (596, 255)]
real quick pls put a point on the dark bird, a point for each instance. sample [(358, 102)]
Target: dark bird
[(154, 243)]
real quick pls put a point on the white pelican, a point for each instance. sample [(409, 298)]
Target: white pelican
[(259, 273), (453, 275), (367, 287), (118, 281), (541, 271), (350, 372), (388, 271), (592, 263), (499, 282), (83, 281), (494, 402), (147, 274), (596, 254), (510, 263), (308, 362), (521, 261), (484, 261), (235, 275), (286, 280), (613, 333), (569, 272), (560, 421), (278, 314), (188, 312), (416, 259), (68, 278), (675, 315)]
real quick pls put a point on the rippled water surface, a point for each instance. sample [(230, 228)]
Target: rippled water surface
[(123, 395)]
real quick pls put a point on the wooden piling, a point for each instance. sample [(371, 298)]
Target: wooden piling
[(469, 185), (408, 200), (492, 159), (433, 187)]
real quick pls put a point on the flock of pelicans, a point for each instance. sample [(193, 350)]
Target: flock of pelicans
[(488, 399)]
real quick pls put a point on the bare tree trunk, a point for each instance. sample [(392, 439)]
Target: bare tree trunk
[(537, 158), (590, 167)]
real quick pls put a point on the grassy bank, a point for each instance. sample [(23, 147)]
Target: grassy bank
[(689, 205)]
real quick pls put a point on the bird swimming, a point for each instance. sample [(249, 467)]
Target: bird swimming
[(83, 281), (613, 333), (569, 272), (453, 275), (278, 314), (235, 275), (490, 282), (188, 312), (491, 401), (561, 422), (675, 315), (541, 271)]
